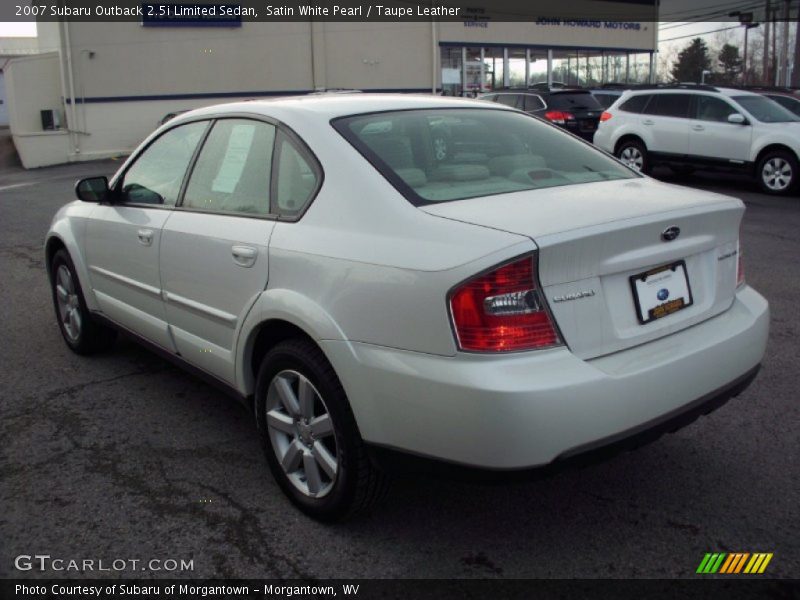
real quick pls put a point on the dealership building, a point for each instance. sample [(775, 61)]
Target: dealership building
[(95, 90)]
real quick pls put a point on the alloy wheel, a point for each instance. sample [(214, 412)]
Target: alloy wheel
[(777, 174), (301, 432), (69, 308), (632, 157)]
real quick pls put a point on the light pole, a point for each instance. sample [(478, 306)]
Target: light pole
[(746, 20), (703, 76)]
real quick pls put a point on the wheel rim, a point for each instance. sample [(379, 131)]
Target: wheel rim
[(777, 174), (632, 157), (301, 432), (440, 148), (69, 309)]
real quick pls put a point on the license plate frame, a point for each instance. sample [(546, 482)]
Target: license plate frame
[(647, 300)]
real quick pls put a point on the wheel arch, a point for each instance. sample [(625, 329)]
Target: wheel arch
[(629, 137), (772, 148), (61, 237), (276, 316)]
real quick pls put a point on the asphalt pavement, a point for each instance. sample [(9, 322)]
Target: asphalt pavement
[(123, 456)]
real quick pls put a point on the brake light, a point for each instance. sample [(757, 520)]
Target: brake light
[(606, 116), (559, 117), (502, 311)]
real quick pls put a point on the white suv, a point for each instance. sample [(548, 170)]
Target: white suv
[(704, 126)]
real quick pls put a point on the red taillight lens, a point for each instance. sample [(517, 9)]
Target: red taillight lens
[(559, 117), (606, 116), (502, 311)]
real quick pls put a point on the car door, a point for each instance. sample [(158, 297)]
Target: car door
[(214, 248), (665, 123), (123, 237), (711, 136)]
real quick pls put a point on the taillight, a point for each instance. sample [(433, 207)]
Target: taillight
[(606, 116), (502, 311), (559, 117), (739, 263)]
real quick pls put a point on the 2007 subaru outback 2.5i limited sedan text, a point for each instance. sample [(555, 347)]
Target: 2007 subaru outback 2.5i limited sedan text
[(524, 300)]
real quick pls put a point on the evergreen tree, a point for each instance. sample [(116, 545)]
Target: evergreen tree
[(692, 61)]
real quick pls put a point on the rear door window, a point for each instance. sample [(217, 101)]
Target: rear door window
[(511, 100), (533, 103), (669, 105), (635, 104)]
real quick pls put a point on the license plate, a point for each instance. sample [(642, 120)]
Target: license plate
[(588, 126), (660, 292)]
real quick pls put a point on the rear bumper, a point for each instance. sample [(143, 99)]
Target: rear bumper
[(531, 409)]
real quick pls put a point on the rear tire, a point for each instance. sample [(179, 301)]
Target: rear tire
[(633, 154), (82, 333), (777, 172), (324, 468)]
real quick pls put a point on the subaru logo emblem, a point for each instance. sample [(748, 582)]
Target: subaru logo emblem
[(663, 294), (670, 233)]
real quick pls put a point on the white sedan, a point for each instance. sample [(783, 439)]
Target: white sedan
[(381, 277)]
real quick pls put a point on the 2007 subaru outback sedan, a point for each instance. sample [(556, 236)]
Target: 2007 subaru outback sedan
[(446, 278)]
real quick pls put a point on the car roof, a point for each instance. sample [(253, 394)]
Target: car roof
[(331, 106), (688, 89)]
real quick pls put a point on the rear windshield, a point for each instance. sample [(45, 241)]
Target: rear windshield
[(574, 101), (439, 155), (765, 110)]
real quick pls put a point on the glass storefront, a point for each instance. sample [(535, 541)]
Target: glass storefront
[(470, 70)]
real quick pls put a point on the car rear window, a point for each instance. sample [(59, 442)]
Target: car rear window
[(635, 104), (574, 101), (440, 155)]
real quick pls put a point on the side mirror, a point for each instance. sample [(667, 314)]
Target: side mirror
[(92, 189), (737, 119)]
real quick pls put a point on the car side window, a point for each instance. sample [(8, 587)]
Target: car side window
[(297, 178), (635, 104), (511, 100), (788, 103), (156, 175), (232, 172), (669, 105), (533, 103), (710, 108)]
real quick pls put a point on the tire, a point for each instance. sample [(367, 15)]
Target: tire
[(777, 172), (328, 474), (82, 334), (634, 155)]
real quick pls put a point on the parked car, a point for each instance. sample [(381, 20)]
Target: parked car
[(575, 110), (520, 304), (703, 126)]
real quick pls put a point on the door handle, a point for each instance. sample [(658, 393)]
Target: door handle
[(648, 122), (145, 236), (698, 128), (244, 256)]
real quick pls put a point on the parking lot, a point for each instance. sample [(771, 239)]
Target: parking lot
[(123, 456)]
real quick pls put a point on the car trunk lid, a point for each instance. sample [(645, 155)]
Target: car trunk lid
[(593, 238)]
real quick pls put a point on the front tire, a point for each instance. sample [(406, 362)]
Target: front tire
[(309, 434), (777, 172), (633, 154), (80, 331)]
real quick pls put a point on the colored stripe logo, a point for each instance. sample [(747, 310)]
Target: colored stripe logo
[(734, 563)]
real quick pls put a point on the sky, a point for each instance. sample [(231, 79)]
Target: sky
[(17, 29)]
